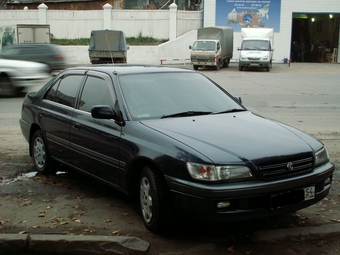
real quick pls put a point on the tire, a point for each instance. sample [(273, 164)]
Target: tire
[(195, 67), (240, 68), (218, 66), (6, 87), (153, 201), (41, 158), (226, 63)]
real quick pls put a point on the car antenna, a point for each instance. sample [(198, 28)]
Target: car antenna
[(108, 44)]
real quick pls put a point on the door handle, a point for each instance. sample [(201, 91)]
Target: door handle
[(77, 125)]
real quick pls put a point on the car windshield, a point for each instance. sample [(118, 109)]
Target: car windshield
[(174, 94), (204, 45), (255, 45)]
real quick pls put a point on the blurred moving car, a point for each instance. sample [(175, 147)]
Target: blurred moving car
[(45, 53), (15, 75), (175, 140)]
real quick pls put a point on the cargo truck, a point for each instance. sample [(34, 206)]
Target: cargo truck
[(213, 47), (107, 46), (24, 33), (257, 48)]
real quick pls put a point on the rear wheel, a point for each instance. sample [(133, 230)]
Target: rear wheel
[(153, 201), (6, 87), (195, 67), (226, 63), (41, 158)]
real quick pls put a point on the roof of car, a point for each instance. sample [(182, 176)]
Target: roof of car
[(130, 68)]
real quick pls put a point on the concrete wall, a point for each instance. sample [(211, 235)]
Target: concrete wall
[(174, 51), (78, 24)]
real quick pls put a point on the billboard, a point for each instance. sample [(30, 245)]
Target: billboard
[(248, 13)]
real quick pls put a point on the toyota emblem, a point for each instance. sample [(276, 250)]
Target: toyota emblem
[(290, 166)]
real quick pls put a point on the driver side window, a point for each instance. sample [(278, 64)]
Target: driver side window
[(95, 92)]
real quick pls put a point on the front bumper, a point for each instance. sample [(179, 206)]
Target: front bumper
[(249, 200), (254, 63), (204, 63)]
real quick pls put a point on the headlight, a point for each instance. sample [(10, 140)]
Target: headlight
[(217, 173), (321, 157)]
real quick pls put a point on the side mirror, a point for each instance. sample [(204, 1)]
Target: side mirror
[(238, 99), (238, 47), (190, 47), (103, 112)]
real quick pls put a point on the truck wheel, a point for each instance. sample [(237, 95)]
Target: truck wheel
[(195, 67), (218, 66), (226, 63), (6, 87), (240, 68)]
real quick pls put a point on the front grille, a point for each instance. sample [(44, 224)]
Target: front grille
[(281, 170), (254, 59)]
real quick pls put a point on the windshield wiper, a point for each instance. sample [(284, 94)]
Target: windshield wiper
[(186, 114), (230, 110)]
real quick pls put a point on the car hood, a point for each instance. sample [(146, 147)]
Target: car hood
[(236, 137)]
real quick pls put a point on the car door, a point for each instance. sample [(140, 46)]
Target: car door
[(55, 114), (95, 142)]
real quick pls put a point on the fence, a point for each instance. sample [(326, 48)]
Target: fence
[(158, 24)]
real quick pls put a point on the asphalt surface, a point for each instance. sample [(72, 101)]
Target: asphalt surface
[(326, 216)]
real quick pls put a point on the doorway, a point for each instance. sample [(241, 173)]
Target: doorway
[(315, 37)]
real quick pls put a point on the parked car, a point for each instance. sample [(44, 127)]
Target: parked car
[(45, 53), (177, 141), (15, 75)]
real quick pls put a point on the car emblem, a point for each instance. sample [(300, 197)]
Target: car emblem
[(290, 166)]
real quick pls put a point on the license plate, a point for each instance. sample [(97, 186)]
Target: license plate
[(309, 193), (292, 197)]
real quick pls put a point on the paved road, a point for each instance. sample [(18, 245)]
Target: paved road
[(72, 206)]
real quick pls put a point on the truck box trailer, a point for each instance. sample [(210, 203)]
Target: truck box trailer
[(107, 46), (213, 47), (24, 33)]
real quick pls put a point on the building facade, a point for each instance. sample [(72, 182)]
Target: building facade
[(312, 24)]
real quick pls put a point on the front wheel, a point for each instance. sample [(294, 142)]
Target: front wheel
[(195, 67), (153, 202), (41, 158), (218, 65), (240, 68), (7, 89)]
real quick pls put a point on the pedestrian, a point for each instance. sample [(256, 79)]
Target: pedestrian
[(295, 51), (302, 52)]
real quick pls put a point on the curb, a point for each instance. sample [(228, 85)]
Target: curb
[(301, 234), (80, 245)]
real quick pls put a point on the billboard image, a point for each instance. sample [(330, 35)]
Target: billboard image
[(248, 13)]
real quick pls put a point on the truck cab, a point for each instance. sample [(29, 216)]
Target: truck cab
[(213, 47), (205, 53)]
